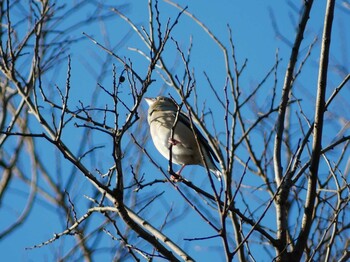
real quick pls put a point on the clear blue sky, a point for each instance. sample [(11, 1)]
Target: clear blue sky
[(254, 39)]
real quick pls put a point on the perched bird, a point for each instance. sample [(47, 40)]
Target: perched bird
[(162, 114)]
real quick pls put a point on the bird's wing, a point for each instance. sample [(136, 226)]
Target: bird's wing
[(185, 119)]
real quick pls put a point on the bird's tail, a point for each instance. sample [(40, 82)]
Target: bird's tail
[(213, 168), (216, 172)]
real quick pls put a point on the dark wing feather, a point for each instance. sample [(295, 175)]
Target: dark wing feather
[(185, 119)]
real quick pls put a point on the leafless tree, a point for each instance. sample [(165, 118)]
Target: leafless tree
[(280, 158)]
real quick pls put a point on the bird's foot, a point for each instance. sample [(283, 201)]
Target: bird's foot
[(175, 177), (173, 141)]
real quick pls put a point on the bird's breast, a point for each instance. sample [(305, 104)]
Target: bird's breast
[(184, 151)]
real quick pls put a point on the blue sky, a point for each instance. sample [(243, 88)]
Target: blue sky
[(255, 40)]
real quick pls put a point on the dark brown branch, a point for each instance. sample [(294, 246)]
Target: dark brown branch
[(309, 211), (281, 212)]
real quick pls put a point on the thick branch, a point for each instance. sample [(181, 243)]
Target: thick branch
[(317, 130), (281, 214)]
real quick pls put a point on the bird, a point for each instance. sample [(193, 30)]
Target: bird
[(162, 114)]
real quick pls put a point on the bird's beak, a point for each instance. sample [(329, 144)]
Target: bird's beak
[(150, 101)]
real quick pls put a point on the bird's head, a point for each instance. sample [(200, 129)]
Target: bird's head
[(161, 103)]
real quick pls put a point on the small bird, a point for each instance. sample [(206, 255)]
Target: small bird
[(162, 114)]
